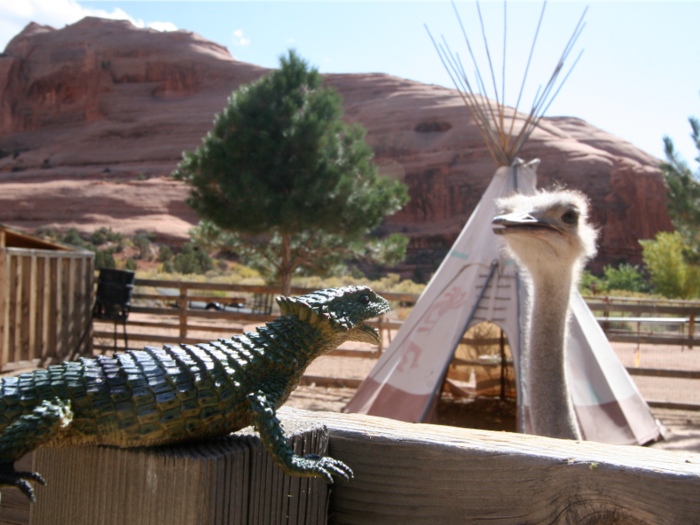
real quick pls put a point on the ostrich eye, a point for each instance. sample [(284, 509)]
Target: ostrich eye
[(570, 217), (363, 299)]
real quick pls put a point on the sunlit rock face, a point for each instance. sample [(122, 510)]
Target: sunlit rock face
[(95, 116)]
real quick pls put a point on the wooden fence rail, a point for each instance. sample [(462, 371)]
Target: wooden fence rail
[(235, 299), (183, 304), (684, 312), (239, 302)]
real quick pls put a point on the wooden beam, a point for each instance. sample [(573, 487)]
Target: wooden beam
[(650, 339), (336, 382), (226, 481), (672, 405), (658, 372), (678, 310), (408, 473), (4, 294)]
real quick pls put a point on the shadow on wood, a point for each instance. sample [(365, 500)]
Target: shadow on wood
[(230, 480), (409, 473), (404, 474)]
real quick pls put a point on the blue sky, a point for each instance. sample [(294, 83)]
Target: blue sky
[(638, 77)]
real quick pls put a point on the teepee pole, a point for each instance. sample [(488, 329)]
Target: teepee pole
[(438, 384), (488, 114)]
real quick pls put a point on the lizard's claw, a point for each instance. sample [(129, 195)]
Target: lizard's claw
[(9, 477), (325, 467)]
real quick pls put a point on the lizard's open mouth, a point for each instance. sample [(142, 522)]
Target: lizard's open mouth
[(372, 335), (365, 333)]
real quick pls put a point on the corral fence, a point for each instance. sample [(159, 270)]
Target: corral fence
[(45, 301), (655, 339), (172, 312)]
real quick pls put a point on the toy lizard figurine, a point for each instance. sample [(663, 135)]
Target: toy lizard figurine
[(166, 395)]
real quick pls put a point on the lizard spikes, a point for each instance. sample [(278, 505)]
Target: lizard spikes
[(301, 309), (288, 305), (344, 309)]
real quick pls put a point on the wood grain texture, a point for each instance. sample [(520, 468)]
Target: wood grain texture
[(227, 481), (14, 508), (426, 474), (3, 301), (45, 303)]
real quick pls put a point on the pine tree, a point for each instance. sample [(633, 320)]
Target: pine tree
[(683, 190), (282, 179)]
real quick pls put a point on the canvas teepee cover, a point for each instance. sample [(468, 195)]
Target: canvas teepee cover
[(477, 283)]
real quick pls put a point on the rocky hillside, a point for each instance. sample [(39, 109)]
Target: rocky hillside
[(94, 117)]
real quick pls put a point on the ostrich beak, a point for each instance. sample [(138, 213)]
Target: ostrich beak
[(503, 224)]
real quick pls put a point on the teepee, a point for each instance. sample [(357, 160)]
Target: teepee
[(476, 282)]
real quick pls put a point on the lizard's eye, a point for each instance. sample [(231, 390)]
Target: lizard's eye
[(363, 299)]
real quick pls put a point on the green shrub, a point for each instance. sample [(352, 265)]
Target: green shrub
[(104, 235), (192, 260), (104, 259), (165, 254), (143, 245), (131, 265), (669, 272), (624, 277)]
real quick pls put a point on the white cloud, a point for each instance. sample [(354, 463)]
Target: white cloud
[(16, 14), (239, 39), (162, 26)]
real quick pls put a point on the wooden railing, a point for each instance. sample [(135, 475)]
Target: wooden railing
[(188, 304), (186, 295), (648, 312), (182, 312)]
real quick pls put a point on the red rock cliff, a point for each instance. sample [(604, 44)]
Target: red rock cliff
[(93, 118)]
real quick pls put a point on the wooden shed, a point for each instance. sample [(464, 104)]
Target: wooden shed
[(46, 294)]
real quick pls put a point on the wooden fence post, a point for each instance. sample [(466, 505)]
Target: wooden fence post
[(182, 303), (691, 330), (3, 302)]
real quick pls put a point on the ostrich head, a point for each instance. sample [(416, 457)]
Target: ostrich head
[(547, 232)]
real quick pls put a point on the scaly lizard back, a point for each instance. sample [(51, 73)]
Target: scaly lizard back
[(164, 395)]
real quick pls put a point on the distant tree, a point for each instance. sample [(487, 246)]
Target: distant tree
[(192, 260), (143, 245), (624, 277), (165, 254), (284, 182), (670, 273), (683, 190), (73, 237), (104, 259), (131, 265)]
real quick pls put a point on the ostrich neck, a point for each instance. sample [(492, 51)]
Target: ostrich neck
[(548, 326), (551, 408)]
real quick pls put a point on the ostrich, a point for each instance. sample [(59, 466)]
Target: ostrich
[(549, 236)]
